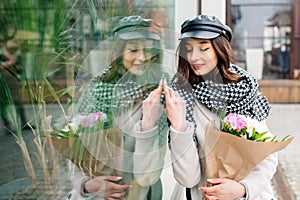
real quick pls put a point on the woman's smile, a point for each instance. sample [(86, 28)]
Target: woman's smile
[(198, 66), (135, 58), (201, 55)]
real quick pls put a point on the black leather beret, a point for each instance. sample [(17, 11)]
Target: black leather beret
[(135, 27), (205, 27)]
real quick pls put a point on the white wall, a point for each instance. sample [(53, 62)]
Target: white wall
[(214, 7), (189, 9), (184, 9)]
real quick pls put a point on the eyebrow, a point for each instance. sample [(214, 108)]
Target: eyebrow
[(133, 43), (200, 42), (203, 42)]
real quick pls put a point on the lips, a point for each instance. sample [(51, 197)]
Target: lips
[(198, 66), (137, 67)]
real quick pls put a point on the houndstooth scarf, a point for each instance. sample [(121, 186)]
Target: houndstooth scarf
[(116, 97), (102, 96), (241, 98)]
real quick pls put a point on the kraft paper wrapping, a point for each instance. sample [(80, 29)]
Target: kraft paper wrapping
[(233, 157), (95, 153), (99, 153)]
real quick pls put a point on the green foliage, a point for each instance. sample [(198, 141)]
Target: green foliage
[(45, 32), (241, 126), (259, 137), (61, 133)]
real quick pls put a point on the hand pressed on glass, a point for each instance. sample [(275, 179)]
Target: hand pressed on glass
[(106, 186), (152, 108), (175, 108)]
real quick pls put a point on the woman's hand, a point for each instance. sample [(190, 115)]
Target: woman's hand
[(152, 108), (175, 108), (224, 189), (106, 187)]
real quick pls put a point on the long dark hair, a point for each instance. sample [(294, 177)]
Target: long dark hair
[(225, 58)]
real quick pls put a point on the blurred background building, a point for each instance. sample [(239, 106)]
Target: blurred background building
[(265, 41), (265, 32)]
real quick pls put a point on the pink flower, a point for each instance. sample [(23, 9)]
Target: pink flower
[(96, 116), (91, 119), (85, 122), (235, 121)]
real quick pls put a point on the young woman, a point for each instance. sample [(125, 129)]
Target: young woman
[(207, 81), (128, 91)]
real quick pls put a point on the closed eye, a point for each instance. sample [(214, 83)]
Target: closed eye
[(189, 50), (133, 50), (205, 49)]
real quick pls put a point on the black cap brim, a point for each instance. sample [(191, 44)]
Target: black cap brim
[(199, 34), (138, 35)]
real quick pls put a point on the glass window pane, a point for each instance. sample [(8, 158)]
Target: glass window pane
[(275, 61), (53, 49), (161, 11), (269, 31), (249, 26), (260, 1)]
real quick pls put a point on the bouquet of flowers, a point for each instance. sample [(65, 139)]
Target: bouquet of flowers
[(241, 144), (86, 142), (247, 128), (79, 124)]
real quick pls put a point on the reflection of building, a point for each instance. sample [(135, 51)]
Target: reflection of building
[(269, 27), (277, 34)]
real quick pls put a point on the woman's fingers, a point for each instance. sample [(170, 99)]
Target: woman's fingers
[(175, 108), (152, 108), (157, 92), (169, 93), (159, 89), (107, 187), (223, 189), (177, 95), (111, 178), (115, 191), (117, 188), (118, 195)]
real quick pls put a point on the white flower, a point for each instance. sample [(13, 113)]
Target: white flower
[(76, 121)]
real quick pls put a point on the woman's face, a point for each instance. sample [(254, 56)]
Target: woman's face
[(136, 54), (201, 55)]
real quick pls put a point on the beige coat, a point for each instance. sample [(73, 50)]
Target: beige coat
[(144, 154), (189, 163)]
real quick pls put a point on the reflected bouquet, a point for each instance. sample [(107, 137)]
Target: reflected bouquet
[(80, 124), (92, 148), (238, 147)]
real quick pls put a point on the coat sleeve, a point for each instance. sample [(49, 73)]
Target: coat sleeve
[(262, 174), (185, 157), (76, 177), (149, 155)]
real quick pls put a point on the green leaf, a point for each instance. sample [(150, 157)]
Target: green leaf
[(257, 136), (285, 138), (222, 116), (274, 139)]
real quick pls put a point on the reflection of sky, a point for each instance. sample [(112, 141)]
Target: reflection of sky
[(166, 6), (252, 23), (259, 1)]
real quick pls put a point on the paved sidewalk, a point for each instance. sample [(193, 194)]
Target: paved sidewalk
[(285, 120)]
